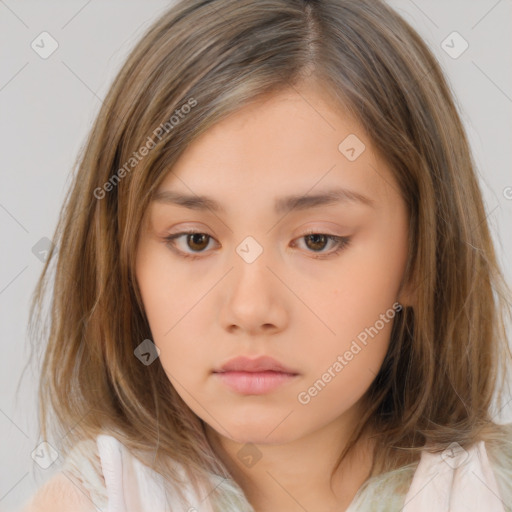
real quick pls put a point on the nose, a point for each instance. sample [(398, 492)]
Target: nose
[(254, 299)]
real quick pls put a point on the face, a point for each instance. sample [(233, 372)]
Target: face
[(311, 283)]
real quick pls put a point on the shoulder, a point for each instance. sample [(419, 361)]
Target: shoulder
[(79, 485), (60, 494)]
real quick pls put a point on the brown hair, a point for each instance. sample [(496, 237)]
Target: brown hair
[(447, 351)]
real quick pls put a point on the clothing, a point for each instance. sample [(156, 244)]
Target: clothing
[(453, 481)]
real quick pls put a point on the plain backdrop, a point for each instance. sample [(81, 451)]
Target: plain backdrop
[(48, 104)]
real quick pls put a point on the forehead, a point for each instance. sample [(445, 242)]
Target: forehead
[(293, 141)]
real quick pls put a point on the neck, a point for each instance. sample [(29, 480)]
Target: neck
[(296, 475)]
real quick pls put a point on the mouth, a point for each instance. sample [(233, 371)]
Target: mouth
[(259, 364), (254, 376), (254, 383)]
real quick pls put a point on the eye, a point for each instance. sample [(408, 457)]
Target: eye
[(198, 242), (318, 241), (194, 240)]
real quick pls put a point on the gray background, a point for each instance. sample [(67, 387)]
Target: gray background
[(47, 107)]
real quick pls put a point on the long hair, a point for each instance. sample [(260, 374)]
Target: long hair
[(201, 61)]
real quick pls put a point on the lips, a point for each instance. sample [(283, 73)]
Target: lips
[(258, 376), (260, 364)]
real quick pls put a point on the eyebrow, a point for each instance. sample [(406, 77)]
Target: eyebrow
[(282, 204)]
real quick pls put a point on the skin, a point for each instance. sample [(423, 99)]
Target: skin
[(299, 309)]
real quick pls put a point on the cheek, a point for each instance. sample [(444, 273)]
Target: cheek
[(340, 374), (368, 279), (162, 287), (157, 287), (354, 319), (183, 367), (355, 299), (169, 313)]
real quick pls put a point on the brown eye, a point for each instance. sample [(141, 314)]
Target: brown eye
[(317, 241), (188, 243), (197, 241)]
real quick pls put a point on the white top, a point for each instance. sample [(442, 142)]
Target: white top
[(453, 481), (460, 481)]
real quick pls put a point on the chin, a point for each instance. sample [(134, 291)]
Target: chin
[(260, 432), (259, 439)]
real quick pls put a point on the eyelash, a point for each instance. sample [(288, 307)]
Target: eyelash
[(342, 242)]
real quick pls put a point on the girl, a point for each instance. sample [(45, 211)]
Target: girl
[(275, 284)]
